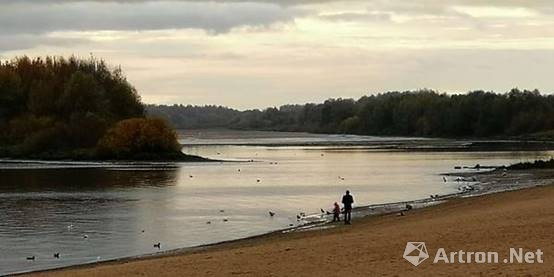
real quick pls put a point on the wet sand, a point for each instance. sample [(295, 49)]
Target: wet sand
[(373, 246)]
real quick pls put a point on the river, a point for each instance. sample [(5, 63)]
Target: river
[(92, 212)]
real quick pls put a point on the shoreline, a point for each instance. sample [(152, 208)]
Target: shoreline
[(408, 145), (261, 138), (490, 182), (103, 163), (180, 158)]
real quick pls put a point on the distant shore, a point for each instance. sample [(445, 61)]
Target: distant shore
[(413, 146), (202, 137), (376, 243)]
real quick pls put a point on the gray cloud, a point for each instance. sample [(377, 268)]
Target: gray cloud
[(19, 42), (277, 2), (355, 16), (26, 24), (421, 4), (213, 17), (216, 16)]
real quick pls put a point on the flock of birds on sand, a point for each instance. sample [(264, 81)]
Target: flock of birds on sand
[(301, 215)]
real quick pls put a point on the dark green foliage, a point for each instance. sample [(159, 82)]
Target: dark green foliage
[(60, 108), (186, 117), (419, 113)]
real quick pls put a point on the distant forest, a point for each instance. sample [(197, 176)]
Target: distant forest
[(57, 108), (410, 113)]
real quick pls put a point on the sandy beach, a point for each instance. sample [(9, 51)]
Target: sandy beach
[(373, 246)]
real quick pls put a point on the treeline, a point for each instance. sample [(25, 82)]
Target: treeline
[(538, 164), (194, 117), (410, 113), (75, 108)]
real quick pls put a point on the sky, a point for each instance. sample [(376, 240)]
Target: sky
[(261, 53)]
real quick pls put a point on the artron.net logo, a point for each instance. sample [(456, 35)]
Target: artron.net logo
[(415, 252)]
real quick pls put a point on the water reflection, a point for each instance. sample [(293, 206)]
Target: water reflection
[(44, 211), (84, 179)]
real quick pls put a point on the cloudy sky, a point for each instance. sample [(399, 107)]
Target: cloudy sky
[(259, 53)]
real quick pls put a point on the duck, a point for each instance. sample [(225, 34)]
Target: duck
[(158, 245)]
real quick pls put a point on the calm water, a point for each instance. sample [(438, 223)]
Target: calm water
[(49, 208)]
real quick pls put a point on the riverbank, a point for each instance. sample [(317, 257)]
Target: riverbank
[(11, 163), (372, 245), (198, 137), (172, 158)]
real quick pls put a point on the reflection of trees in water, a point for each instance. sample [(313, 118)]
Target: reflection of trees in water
[(33, 200), (76, 180)]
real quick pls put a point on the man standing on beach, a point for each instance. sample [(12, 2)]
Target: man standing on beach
[(347, 201)]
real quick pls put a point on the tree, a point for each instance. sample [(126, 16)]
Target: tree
[(60, 108), (409, 113), (138, 136)]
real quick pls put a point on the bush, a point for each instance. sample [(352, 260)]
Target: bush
[(139, 137)]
